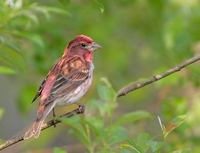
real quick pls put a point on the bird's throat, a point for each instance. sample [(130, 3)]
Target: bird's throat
[(88, 56)]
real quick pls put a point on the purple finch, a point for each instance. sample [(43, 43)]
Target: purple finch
[(68, 80)]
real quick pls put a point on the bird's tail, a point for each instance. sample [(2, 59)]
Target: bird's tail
[(34, 130)]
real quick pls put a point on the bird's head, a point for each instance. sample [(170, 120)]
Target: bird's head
[(82, 46)]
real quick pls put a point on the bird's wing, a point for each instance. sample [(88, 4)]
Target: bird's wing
[(39, 90), (65, 85), (63, 79), (42, 85)]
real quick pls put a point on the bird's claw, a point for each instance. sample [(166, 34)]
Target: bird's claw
[(81, 109), (54, 123)]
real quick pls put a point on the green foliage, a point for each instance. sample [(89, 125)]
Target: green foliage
[(143, 143), (100, 132), (175, 123), (17, 18)]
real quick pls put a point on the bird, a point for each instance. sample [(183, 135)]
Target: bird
[(67, 81)]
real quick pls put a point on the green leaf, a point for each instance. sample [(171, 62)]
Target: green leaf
[(96, 124), (73, 122), (127, 147), (56, 10), (116, 134), (76, 128), (176, 122), (105, 90), (143, 143), (100, 6), (132, 117), (179, 105), (59, 150), (6, 70), (107, 102), (12, 58)]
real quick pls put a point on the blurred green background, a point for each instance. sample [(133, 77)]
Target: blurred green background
[(140, 38)]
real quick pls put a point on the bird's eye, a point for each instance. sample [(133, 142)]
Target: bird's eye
[(83, 45)]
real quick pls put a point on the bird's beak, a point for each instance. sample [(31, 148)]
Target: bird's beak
[(95, 46)]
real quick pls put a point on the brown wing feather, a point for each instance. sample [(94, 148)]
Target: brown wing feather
[(41, 87), (68, 84), (68, 76)]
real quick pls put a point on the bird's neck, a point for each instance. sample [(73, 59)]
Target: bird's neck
[(88, 56)]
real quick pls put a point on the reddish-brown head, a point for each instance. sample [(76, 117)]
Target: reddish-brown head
[(82, 46)]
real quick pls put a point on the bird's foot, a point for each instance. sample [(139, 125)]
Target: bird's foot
[(81, 109)]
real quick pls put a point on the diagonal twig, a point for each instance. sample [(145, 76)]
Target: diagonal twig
[(122, 92), (45, 126), (137, 85)]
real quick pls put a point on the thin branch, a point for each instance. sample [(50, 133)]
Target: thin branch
[(137, 85), (122, 92), (45, 126)]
